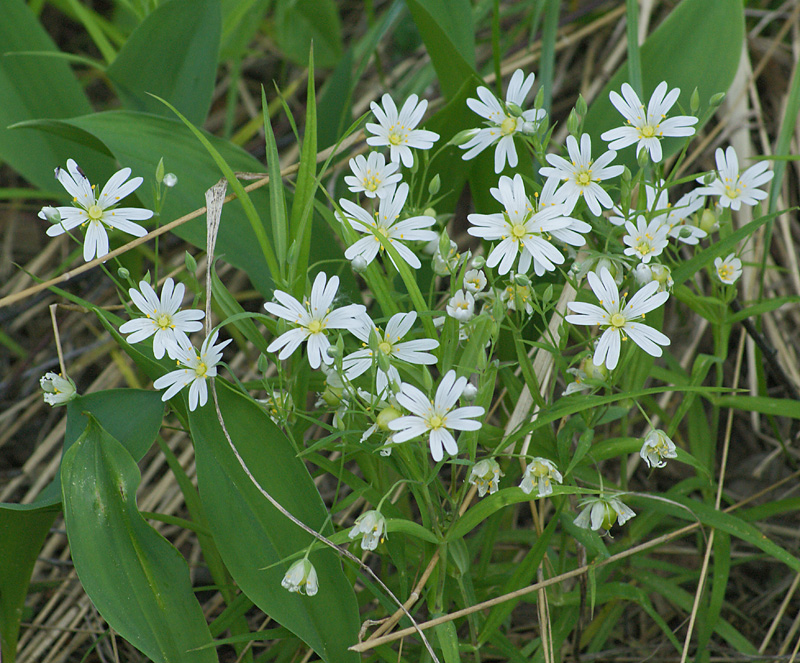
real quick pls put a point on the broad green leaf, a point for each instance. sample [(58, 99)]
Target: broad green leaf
[(299, 23), (447, 30), (696, 33), (34, 87), (112, 409), (241, 19), (22, 534), (252, 535), (172, 54), (145, 594)]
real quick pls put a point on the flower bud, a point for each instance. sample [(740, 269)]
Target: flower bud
[(580, 106), (123, 273), (190, 263), (386, 415), (263, 364), (716, 99), (170, 180), (160, 170), (50, 214), (462, 137), (359, 264), (643, 158), (521, 280), (708, 221), (573, 122), (694, 101), (470, 392), (433, 188), (479, 262)]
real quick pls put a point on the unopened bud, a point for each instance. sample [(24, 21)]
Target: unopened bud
[(580, 105), (359, 264), (716, 100), (538, 102), (522, 280), (573, 122), (478, 262), (708, 221), (470, 392), (514, 109), (50, 214), (385, 416), (694, 101), (123, 274), (160, 170), (643, 158), (190, 262), (434, 186), (462, 137), (170, 180), (547, 295), (263, 364)]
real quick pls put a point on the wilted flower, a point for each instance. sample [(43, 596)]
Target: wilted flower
[(603, 512), (543, 472), (301, 578), (485, 474), (57, 389), (657, 446), (372, 525)]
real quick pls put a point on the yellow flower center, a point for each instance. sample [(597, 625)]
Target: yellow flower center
[(584, 178), (396, 138), (95, 212), (436, 422), (371, 183), (385, 347), (644, 248), (610, 516), (725, 272), (519, 231), (201, 370), (732, 192), (164, 321), (618, 320), (315, 326), (647, 131), (508, 126)]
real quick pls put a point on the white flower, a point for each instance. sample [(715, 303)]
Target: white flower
[(618, 318), (461, 306), (734, 188), (197, 368), (301, 578), (645, 240), (372, 525), (516, 296), (398, 130), (543, 472), (162, 318), (57, 389), (312, 320), (521, 231), (474, 281), (501, 123), (581, 175), (390, 345), (372, 176), (728, 270), (383, 222), (647, 128), (98, 212), (485, 474), (675, 217), (657, 446), (603, 512), (645, 273), (436, 416)]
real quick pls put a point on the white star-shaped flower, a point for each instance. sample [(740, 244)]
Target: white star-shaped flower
[(581, 175), (733, 188), (384, 222), (398, 130), (372, 176), (646, 128), (728, 270), (312, 320), (97, 212), (676, 216), (645, 240), (197, 368), (461, 306), (501, 123), (521, 230), (436, 417), (163, 320), (391, 344), (618, 319), (58, 390)]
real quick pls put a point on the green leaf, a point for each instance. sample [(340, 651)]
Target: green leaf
[(447, 30), (252, 535), (300, 23), (22, 534), (172, 54), (686, 35), (778, 407), (34, 87), (761, 308), (145, 593)]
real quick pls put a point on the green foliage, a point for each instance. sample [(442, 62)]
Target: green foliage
[(112, 547)]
